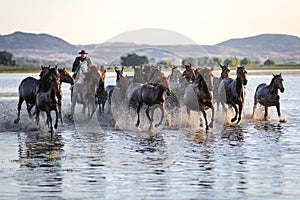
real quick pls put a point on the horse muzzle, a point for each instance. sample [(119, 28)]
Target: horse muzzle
[(281, 90), (245, 82)]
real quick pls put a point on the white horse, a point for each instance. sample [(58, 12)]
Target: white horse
[(83, 69)]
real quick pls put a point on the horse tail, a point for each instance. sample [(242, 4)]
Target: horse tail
[(162, 113)]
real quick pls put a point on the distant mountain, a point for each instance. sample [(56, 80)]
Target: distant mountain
[(283, 48), (20, 40)]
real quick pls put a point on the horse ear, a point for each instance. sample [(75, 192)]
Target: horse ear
[(273, 75), (280, 74)]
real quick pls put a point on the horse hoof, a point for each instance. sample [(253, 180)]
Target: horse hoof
[(233, 120), (16, 121), (211, 125), (55, 126)]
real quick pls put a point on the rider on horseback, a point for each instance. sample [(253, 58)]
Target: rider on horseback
[(80, 59)]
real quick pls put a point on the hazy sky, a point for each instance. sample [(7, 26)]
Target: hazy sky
[(203, 21)]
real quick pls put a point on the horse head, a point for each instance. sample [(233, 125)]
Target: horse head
[(207, 75), (189, 73), (119, 73), (93, 75), (65, 76), (55, 85), (225, 71), (242, 74), (278, 82), (164, 83)]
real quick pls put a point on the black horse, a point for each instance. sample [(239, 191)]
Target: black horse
[(29, 87), (48, 101), (153, 95), (267, 95), (232, 92)]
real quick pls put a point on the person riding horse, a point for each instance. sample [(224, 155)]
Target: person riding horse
[(78, 62)]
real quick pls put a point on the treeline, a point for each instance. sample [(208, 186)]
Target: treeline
[(136, 60), (232, 61), (7, 59)]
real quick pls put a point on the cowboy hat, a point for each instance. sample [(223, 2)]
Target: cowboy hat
[(83, 52)]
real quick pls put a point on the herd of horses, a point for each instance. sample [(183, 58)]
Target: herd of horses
[(196, 89)]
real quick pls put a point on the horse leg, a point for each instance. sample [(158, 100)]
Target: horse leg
[(37, 117), (138, 113), (56, 119), (59, 111), (19, 110), (218, 105), (211, 124), (205, 118), (254, 107), (236, 113), (162, 114), (266, 113), (29, 107), (278, 110), (150, 118), (240, 112), (223, 107), (49, 119)]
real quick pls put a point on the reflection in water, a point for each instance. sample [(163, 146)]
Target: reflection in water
[(233, 133), (40, 153)]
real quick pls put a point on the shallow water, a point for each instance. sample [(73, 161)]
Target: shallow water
[(86, 160)]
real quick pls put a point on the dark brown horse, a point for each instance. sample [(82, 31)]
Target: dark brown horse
[(197, 97), (267, 95), (232, 92), (101, 95), (153, 95), (65, 77), (48, 101), (29, 87)]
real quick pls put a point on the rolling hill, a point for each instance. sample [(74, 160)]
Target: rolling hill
[(44, 47)]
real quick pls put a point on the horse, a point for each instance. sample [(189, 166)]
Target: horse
[(216, 82), (84, 93), (153, 95), (101, 95), (29, 87), (267, 95), (197, 96), (48, 101), (232, 92)]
